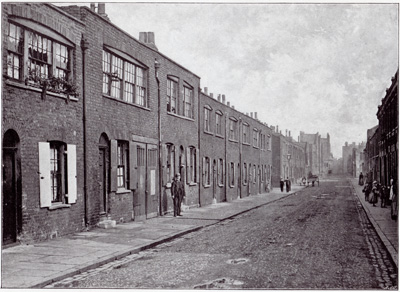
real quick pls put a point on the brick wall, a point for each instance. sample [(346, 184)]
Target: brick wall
[(36, 120)]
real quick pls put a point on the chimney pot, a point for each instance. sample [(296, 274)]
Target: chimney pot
[(233, 106), (251, 114), (92, 6), (219, 97), (150, 37), (255, 115), (101, 8), (223, 98), (206, 90), (228, 103), (143, 37), (277, 128), (212, 94)]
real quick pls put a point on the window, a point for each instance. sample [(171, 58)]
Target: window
[(221, 172), (269, 142), (122, 164), (170, 162), (15, 46), (207, 115), (187, 102), (232, 174), (244, 173), (32, 56), (191, 167), (256, 138), (218, 123), (206, 171), (172, 94), (57, 169), (246, 134), (123, 80), (233, 129)]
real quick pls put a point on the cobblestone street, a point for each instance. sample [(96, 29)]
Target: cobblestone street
[(319, 238)]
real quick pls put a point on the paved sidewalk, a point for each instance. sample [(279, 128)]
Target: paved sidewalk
[(40, 264), (380, 218)]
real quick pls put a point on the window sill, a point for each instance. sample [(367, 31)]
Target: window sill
[(191, 184), (234, 141), (127, 103), (207, 186), (59, 206), (247, 144), (219, 136), (122, 191), (208, 133), (221, 185), (179, 116), (31, 88), (256, 147)]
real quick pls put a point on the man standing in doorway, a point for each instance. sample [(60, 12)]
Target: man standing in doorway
[(178, 193)]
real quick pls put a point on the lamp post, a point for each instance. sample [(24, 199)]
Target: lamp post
[(289, 156)]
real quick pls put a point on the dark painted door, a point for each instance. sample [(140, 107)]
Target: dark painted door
[(9, 196)]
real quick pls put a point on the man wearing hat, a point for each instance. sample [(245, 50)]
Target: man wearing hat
[(177, 193)]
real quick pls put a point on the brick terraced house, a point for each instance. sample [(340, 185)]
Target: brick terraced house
[(96, 123)]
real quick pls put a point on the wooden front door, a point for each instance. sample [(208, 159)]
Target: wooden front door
[(152, 181), (103, 179), (139, 198), (10, 201)]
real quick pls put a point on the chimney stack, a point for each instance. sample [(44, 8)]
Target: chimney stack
[(251, 114), (289, 134), (273, 128), (255, 115), (212, 95), (223, 98), (277, 128), (233, 106), (102, 9), (148, 38), (286, 133), (219, 97), (92, 6), (228, 103), (206, 90)]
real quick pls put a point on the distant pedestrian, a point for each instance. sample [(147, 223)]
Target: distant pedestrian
[(282, 183), (287, 185), (375, 193), (384, 196), (391, 190), (177, 193), (304, 180), (367, 190), (361, 179)]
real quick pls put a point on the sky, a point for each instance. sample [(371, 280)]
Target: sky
[(304, 67)]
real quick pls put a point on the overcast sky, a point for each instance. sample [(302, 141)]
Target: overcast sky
[(305, 67)]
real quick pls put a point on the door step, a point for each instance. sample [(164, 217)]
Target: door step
[(107, 224)]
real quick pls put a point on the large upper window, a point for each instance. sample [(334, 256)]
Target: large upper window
[(172, 95), (33, 57), (233, 129), (123, 80), (246, 134), (218, 123), (256, 136), (188, 102), (207, 122)]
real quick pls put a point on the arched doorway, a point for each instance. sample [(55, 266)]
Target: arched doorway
[(12, 207), (104, 173)]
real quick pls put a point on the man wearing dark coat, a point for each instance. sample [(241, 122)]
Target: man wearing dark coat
[(282, 184), (288, 183), (177, 193)]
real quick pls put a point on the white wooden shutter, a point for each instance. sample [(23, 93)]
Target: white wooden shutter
[(188, 175), (197, 178), (72, 179), (133, 174), (114, 165), (44, 174)]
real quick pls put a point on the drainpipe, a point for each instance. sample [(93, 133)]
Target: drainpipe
[(84, 46), (157, 66), (199, 144), (240, 158), (226, 156)]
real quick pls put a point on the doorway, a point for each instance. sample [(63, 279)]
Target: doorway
[(104, 174), (12, 207)]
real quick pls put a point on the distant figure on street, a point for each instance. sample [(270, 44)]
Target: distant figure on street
[(361, 179), (177, 193), (375, 193), (391, 190), (367, 190), (385, 191), (282, 183), (287, 184), (304, 180)]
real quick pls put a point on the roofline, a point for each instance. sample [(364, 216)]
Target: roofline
[(135, 39)]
